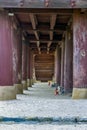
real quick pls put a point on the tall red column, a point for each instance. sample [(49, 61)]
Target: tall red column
[(31, 68), (62, 63), (58, 65), (17, 59), (79, 55), (7, 90), (24, 64), (68, 60), (28, 66)]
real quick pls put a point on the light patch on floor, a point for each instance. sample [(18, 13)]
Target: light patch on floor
[(40, 101)]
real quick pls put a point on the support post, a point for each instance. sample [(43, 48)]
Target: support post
[(17, 60), (68, 62), (62, 63), (28, 66), (31, 68), (24, 64), (58, 65), (79, 55), (7, 90)]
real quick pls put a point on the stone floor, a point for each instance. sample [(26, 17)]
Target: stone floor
[(54, 112)]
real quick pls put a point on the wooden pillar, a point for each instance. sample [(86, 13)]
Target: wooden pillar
[(24, 64), (28, 66), (31, 68), (17, 59), (34, 75), (79, 55), (58, 65), (7, 90), (62, 63), (68, 59)]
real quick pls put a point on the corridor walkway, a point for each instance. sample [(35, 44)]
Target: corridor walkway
[(39, 109)]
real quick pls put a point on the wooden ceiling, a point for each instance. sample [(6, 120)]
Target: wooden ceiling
[(43, 29), (44, 23), (44, 67), (44, 3)]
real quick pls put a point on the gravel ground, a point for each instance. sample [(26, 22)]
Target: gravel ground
[(40, 101), (42, 127)]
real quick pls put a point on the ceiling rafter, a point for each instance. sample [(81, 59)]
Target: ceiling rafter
[(59, 27), (34, 23), (43, 40), (52, 24)]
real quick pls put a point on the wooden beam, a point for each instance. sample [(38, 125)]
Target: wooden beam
[(53, 21), (50, 52), (40, 4), (51, 35), (34, 24), (43, 64), (52, 24), (58, 11), (47, 70), (59, 27), (43, 77), (31, 38), (44, 40)]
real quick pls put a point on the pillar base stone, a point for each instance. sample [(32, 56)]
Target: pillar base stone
[(79, 93), (31, 83), (19, 88), (7, 92), (24, 83), (28, 83)]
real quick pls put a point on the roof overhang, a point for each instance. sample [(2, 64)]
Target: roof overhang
[(43, 3)]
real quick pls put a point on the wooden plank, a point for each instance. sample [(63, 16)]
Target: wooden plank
[(57, 11), (52, 24), (60, 27), (45, 40), (34, 24), (45, 71), (32, 17), (44, 66), (40, 3), (53, 21)]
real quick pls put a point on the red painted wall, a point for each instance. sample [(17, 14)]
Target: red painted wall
[(6, 70), (28, 62), (79, 50), (24, 61), (62, 63), (31, 64), (58, 65), (68, 63), (17, 56)]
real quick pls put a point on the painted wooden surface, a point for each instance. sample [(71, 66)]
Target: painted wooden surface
[(10, 51), (62, 62), (6, 65), (28, 62), (17, 56), (44, 67), (58, 65), (44, 3), (79, 50), (24, 61), (31, 64), (68, 62)]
